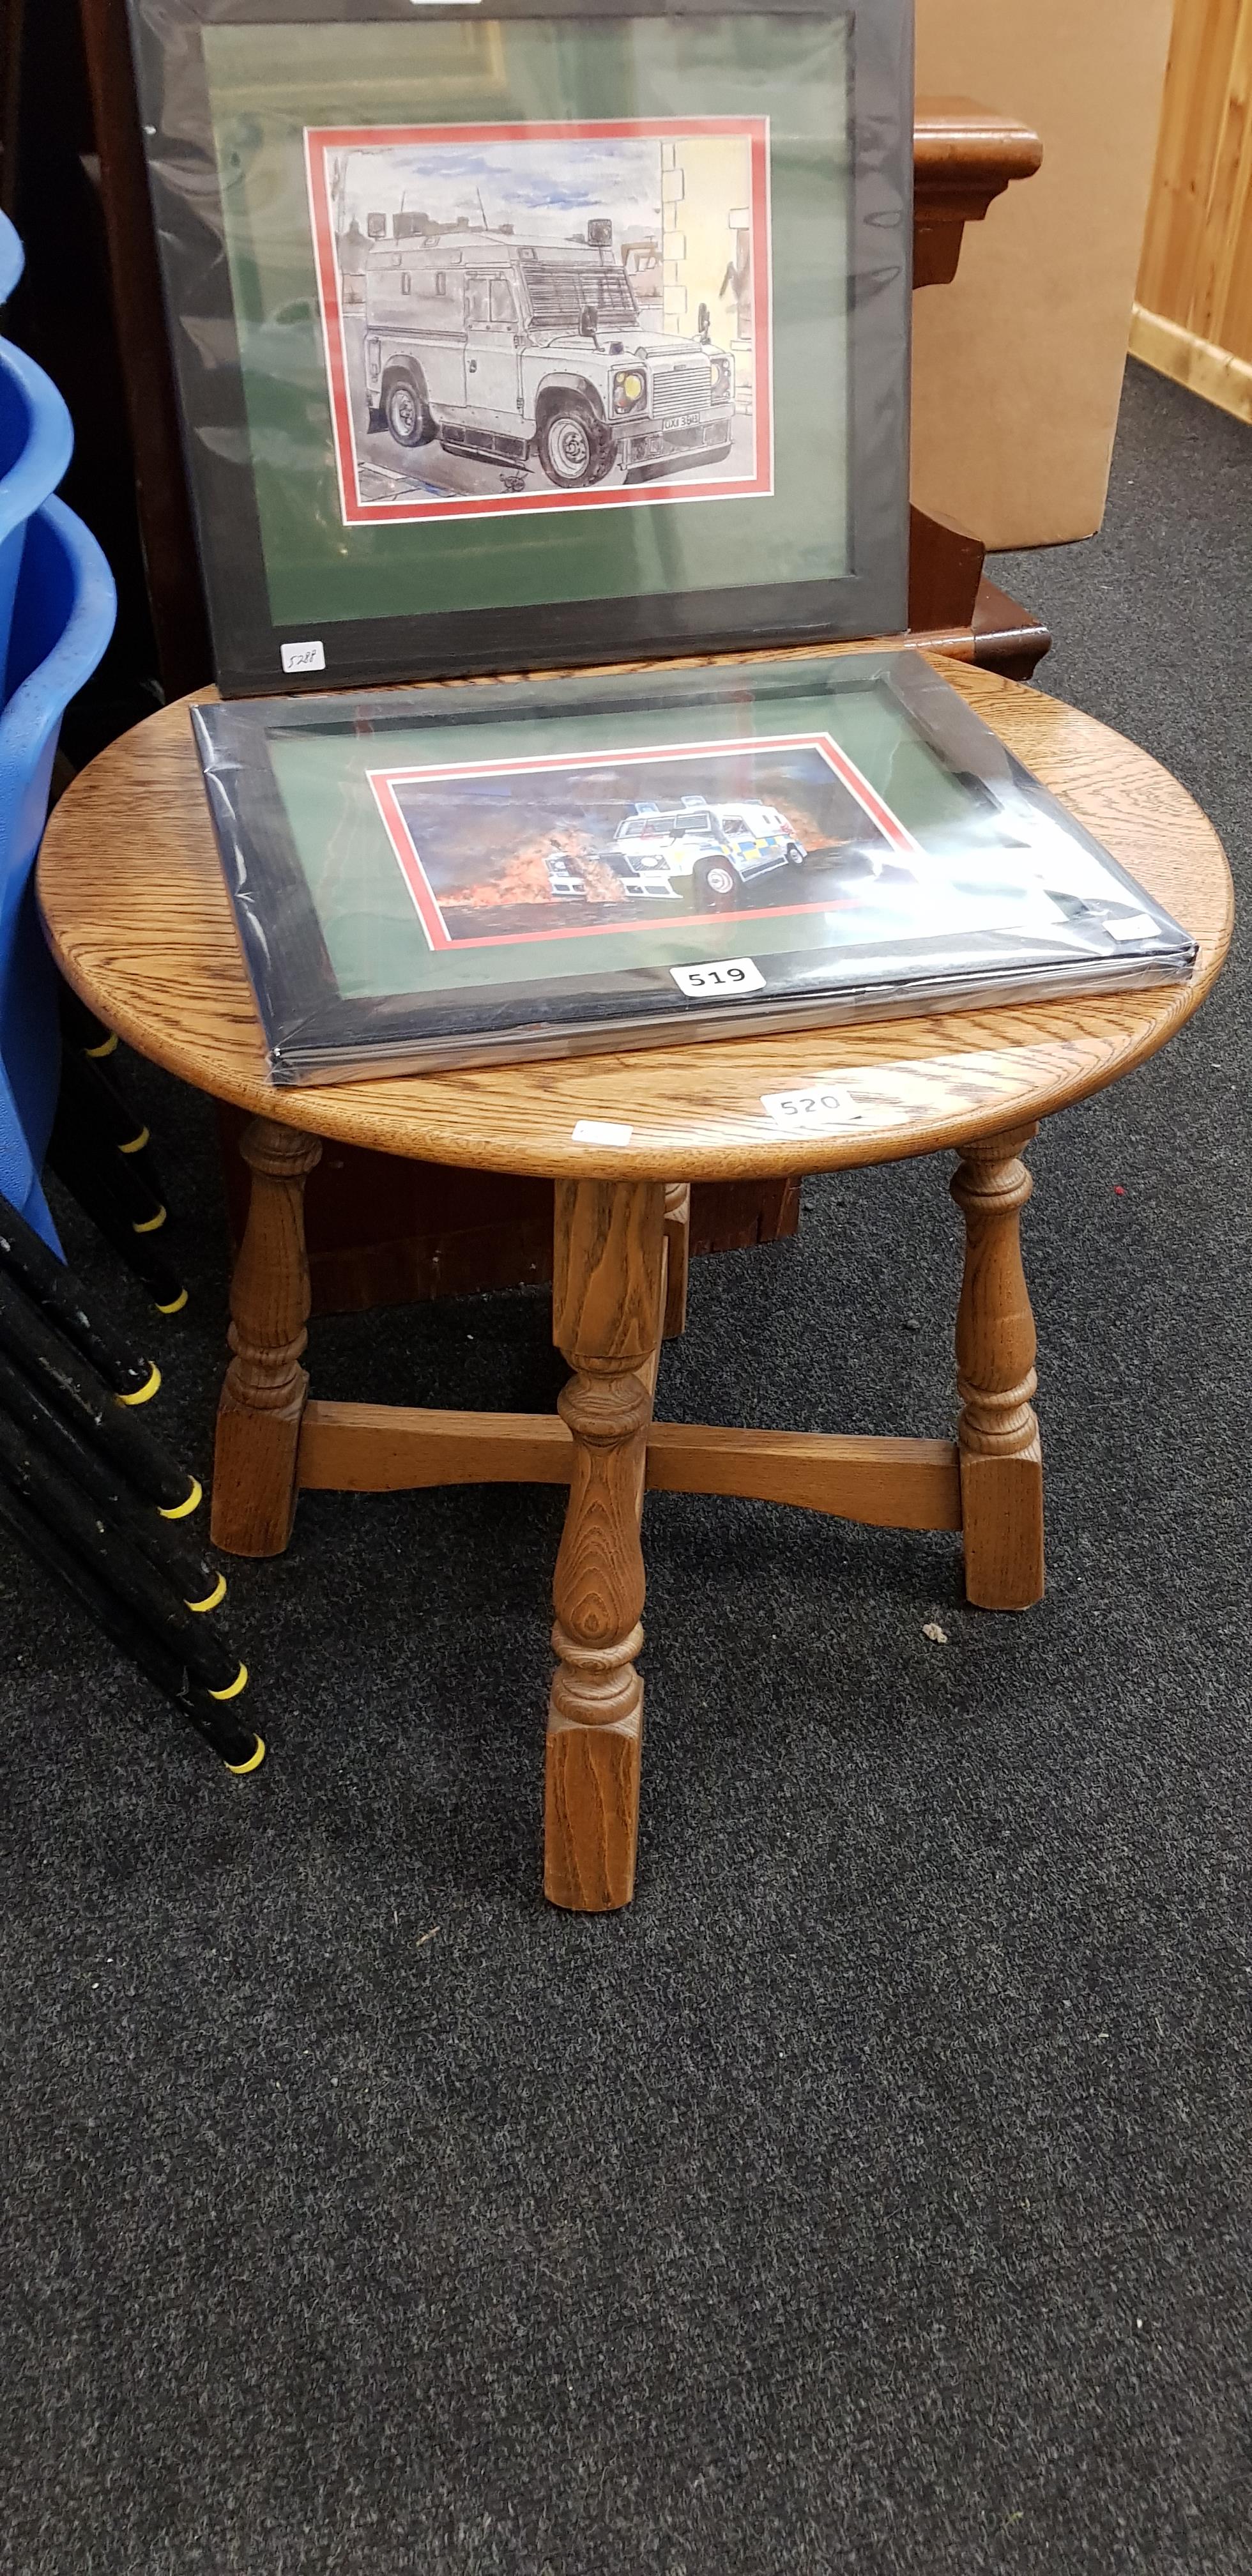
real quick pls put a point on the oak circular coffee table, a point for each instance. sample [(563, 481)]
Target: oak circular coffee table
[(137, 913)]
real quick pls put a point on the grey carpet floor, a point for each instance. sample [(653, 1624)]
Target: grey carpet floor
[(876, 2195)]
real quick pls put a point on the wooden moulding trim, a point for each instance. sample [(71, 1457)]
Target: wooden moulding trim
[(1003, 626), (383, 1448), (958, 144), (1217, 375), (964, 157)]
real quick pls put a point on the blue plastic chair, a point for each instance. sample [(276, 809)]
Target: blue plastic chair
[(12, 259), (36, 439), (36, 443), (63, 616)]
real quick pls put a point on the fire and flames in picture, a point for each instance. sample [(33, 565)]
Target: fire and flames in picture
[(552, 847), (545, 316)]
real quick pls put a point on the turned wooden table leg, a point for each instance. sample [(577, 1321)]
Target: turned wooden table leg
[(258, 1418), (677, 1252), (1001, 1462), (606, 1318)]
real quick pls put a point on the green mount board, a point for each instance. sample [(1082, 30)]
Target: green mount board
[(427, 433)]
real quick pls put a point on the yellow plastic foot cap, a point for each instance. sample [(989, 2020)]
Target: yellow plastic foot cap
[(233, 1689), (212, 1598), (254, 1761), (143, 1392)]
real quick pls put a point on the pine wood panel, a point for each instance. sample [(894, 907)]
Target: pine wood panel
[(137, 912), (1193, 307)]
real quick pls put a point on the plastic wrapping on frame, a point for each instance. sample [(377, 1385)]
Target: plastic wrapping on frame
[(534, 332), (440, 877)]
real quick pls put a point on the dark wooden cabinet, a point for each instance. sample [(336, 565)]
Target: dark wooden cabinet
[(382, 1230)]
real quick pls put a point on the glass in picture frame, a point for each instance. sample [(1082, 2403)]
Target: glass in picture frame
[(432, 877), (512, 333)]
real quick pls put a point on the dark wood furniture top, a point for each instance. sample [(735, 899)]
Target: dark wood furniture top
[(964, 157)]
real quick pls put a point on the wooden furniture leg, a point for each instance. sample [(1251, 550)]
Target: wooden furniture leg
[(606, 1318), (677, 1257), (998, 1436), (258, 1418)]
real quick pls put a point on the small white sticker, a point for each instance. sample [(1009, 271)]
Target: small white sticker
[(719, 981), (601, 1131), (1135, 926), (304, 657), (823, 1104)]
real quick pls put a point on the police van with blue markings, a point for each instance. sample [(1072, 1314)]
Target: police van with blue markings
[(706, 852)]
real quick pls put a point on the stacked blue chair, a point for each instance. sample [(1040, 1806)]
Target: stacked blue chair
[(12, 259), (36, 443), (57, 609), (63, 614), (85, 1488)]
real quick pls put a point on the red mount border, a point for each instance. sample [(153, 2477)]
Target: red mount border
[(319, 139), (426, 904)]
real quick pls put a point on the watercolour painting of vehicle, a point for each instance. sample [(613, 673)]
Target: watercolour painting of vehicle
[(523, 316)]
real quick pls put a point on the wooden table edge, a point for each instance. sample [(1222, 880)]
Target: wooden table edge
[(326, 1109)]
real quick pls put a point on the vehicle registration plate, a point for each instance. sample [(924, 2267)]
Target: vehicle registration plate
[(683, 420)]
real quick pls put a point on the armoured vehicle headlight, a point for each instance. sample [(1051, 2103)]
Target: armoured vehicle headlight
[(629, 389), (723, 376)]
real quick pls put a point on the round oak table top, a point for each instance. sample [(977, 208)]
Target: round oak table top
[(135, 906)]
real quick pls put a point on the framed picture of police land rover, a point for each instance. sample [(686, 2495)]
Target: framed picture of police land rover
[(526, 868), (514, 333)]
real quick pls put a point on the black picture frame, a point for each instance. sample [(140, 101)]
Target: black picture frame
[(863, 593), (971, 782)]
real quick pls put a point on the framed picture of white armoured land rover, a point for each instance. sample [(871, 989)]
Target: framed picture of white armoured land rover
[(512, 333)]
